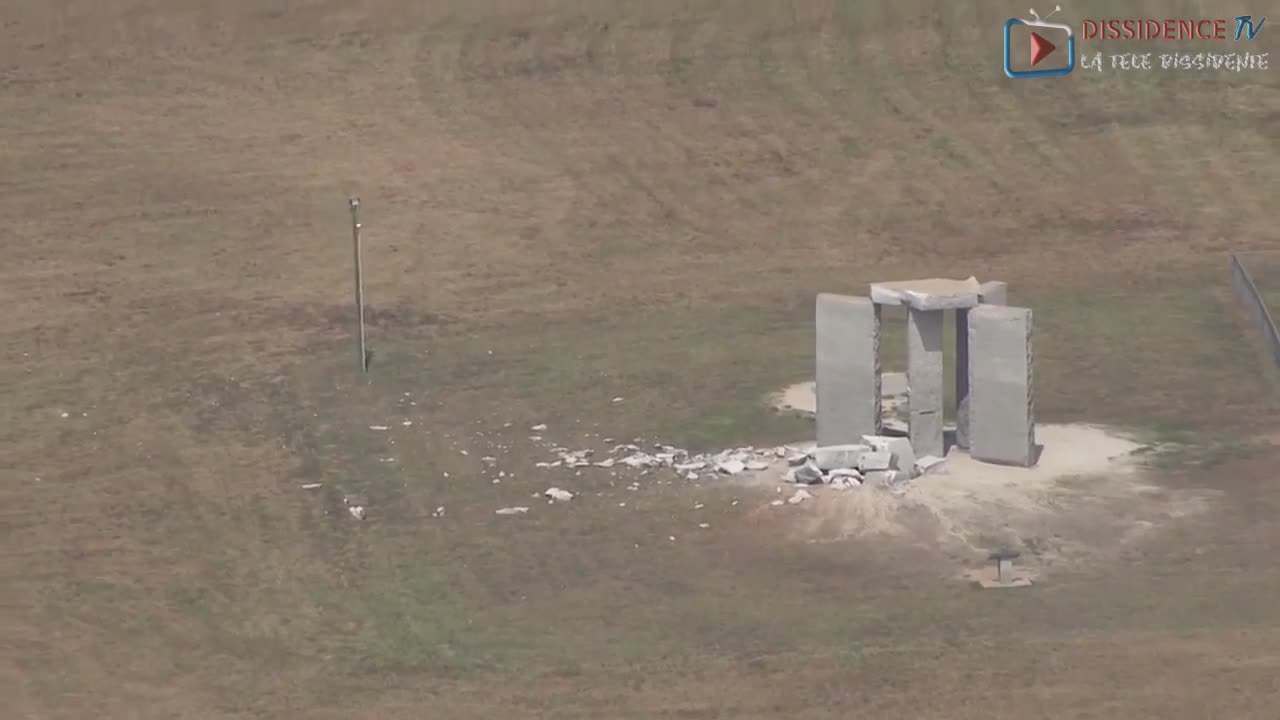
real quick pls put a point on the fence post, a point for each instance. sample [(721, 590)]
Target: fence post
[(359, 278), (1256, 306)]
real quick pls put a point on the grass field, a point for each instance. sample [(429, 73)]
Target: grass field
[(564, 203)]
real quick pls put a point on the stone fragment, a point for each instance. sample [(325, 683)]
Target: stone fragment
[(799, 497), (928, 464)]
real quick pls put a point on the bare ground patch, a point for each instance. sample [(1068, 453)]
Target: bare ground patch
[(1090, 494)]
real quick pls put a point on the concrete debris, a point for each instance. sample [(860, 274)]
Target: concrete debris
[(357, 511), (880, 478), (307, 486), (731, 467), (519, 510), (797, 459), (538, 428), (439, 512), (799, 497), (845, 482), (882, 461), (372, 427), (641, 460), (807, 474), (646, 457), (556, 494), (489, 460), (777, 503)]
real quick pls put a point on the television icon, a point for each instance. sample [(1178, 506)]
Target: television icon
[(1041, 47)]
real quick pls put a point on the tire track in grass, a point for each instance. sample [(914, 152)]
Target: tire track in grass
[(916, 94), (1241, 158)]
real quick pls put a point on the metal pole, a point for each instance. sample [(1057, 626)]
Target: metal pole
[(355, 240)]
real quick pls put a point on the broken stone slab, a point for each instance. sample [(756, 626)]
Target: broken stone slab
[(875, 460), (902, 455), (929, 463), (928, 294), (519, 510), (831, 457)]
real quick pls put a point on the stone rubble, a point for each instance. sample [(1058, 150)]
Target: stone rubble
[(877, 461), (557, 495)]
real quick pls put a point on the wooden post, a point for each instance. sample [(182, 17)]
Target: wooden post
[(355, 240)]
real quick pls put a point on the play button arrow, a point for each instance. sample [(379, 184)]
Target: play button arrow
[(1040, 48)]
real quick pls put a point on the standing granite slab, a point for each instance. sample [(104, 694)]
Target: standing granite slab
[(993, 293), (1001, 407), (848, 368), (925, 381)]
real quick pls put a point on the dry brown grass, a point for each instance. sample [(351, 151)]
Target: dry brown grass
[(567, 202)]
